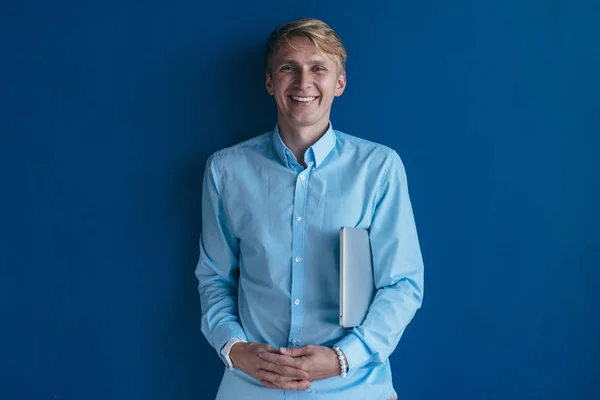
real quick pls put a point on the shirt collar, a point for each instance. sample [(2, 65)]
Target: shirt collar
[(320, 150)]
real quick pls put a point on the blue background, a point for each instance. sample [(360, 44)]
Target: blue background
[(109, 110)]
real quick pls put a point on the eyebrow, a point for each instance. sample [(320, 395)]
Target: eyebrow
[(310, 62)]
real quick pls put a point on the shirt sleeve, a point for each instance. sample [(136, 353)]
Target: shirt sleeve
[(218, 267), (397, 270)]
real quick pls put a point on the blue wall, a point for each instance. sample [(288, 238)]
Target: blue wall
[(108, 111)]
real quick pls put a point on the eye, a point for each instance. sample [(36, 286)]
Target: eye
[(287, 68), (319, 68)]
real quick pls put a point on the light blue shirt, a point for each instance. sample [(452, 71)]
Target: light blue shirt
[(269, 256)]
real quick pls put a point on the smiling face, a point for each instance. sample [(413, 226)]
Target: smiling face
[(304, 81)]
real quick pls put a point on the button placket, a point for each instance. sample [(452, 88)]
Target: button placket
[(298, 242)]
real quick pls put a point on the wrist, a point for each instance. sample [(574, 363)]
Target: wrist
[(342, 362), (226, 351), (235, 352)]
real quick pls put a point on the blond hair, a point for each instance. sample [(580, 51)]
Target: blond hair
[(317, 32)]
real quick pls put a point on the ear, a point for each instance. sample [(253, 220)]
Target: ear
[(340, 84), (269, 83)]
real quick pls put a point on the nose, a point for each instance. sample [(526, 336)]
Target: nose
[(302, 80)]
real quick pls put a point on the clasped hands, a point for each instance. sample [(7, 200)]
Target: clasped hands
[(285, 368)]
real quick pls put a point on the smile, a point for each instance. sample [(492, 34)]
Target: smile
[(303, 99)]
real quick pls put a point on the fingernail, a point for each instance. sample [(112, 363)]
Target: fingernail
[(283, 350)]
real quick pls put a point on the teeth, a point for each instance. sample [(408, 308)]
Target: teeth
[(303, 99)]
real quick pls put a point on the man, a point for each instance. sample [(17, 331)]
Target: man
[(272, 210)]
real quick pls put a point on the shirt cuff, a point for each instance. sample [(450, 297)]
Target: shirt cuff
[(225, 332), (357, 354)]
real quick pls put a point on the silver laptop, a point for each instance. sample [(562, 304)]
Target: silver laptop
[(356, 276)]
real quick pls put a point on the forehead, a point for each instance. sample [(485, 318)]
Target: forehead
[(301, 50)]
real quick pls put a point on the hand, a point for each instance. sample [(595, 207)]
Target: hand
[(318, 362), (246, 356)]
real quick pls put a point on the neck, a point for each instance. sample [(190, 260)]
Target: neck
[(299, 138)]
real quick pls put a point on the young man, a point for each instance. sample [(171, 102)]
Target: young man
[(272, 209)]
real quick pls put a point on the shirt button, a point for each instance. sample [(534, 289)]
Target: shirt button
[(302, 178), (296, 302), (294, 341), (298, 218), (298, 259)]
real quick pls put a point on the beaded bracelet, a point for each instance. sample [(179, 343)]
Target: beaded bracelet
[(343, 365)]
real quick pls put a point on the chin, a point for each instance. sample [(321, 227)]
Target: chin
[(304, 121)]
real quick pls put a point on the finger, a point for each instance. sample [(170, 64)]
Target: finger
[(291, 372), (280, 359), (271, 348), (288, 372), (266, 348), (296, 351), (291, 385), (269, 384), (273, 377)]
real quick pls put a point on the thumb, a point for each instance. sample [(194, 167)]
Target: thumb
[(294, 351)]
